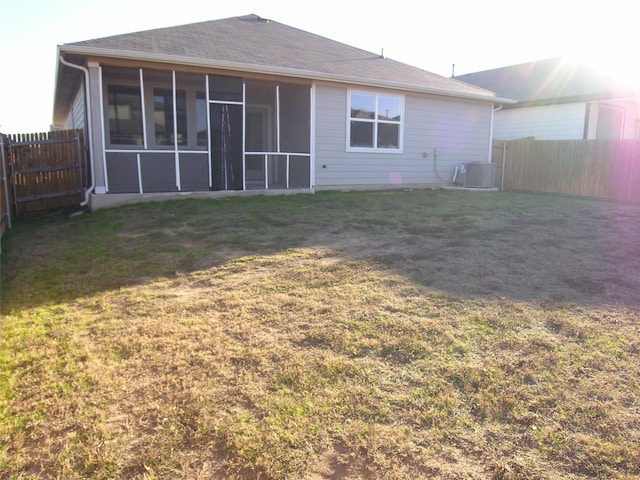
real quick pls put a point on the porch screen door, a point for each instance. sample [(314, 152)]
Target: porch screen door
[(226, 146), (226, 105)]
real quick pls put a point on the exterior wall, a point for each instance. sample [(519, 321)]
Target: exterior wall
[(545, 122), (459, 131), (76, 118), (438, 133)]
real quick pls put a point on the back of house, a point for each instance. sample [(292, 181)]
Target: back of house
[(249, 104)]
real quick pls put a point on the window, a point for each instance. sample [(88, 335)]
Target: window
[(125, 115), (610, 122), (375, 121), (163, 116), (225, 88), (201, 119)]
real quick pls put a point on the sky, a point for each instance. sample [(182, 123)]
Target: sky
[(433, 35)]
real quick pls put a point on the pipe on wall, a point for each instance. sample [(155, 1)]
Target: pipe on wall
[(87, 103)]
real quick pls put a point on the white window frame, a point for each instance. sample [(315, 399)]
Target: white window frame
[(376, 122)]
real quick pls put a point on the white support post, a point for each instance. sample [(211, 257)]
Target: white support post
[(278, 117), (288, 157), (208, 127), (104, 144), (244, 127), (139, 173), (312, 137), (144, 116), (175, 130)]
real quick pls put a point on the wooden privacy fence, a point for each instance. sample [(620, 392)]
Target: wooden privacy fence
[(42, 171), (591, 168)]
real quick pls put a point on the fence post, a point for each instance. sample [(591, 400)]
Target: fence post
[(12, 163), (504, 158), (5, 186)]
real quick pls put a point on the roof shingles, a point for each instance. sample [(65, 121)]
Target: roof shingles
[(252, 40), (545, 80)]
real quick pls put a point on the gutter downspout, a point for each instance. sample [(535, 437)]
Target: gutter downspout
[(493, 111), (87, 103)]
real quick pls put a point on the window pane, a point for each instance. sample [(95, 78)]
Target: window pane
[(363, 105), (181, 117), (362, 134), (163, 116), (223, 87), (201, 119), (388, 135), (125, 115), (389, 108), (295, 123)]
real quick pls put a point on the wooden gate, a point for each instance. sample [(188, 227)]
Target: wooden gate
[(45, 170)]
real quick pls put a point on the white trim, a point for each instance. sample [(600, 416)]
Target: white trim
[(278, 117), (139, 150), (225, 102), (312, 136), (104, 134), (244, 134), (296, 154), (375, 121), (139, 173), (144, 115), (287, 170), (208, 129), (175, 129)]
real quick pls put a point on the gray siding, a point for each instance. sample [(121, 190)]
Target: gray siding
[(75, 119), (458, 129)]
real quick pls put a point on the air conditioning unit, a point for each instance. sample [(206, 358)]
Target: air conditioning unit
[(479, 175)]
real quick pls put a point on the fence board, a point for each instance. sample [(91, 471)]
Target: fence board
[(591, 168)]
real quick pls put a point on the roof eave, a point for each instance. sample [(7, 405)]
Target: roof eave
[(263, 69)]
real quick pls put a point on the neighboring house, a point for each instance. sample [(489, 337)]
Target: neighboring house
[(559, 99), (247, 103)]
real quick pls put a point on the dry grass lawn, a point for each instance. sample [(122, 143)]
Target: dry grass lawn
[(388, 335)]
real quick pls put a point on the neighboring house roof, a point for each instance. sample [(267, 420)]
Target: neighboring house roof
[(548, 81), (253, 44)]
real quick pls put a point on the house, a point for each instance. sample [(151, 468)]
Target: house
[(560, 99), (249, 104)]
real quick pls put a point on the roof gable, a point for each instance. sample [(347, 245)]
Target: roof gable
[(269, 46)]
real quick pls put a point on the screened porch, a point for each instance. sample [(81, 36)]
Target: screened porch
[(169, 131)]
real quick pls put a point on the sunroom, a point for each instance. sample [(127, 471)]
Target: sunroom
[(173, 131)]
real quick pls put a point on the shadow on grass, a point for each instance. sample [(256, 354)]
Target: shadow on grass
[(520, 246)]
